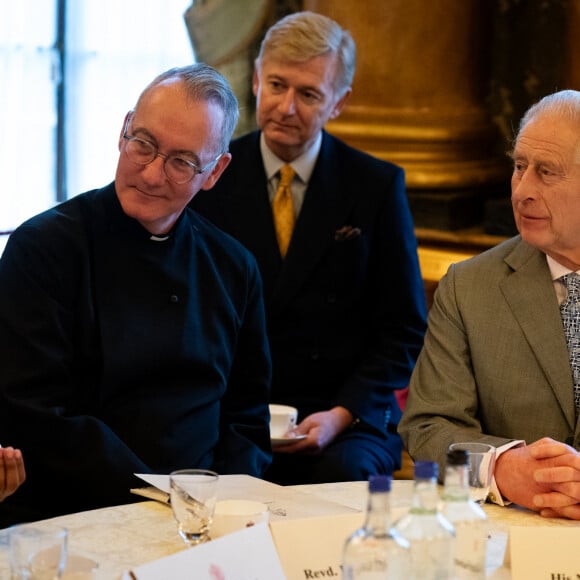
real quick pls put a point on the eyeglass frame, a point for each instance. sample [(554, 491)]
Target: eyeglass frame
[(156, 153)]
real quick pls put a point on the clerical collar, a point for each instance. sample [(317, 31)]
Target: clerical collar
[(155, 238)]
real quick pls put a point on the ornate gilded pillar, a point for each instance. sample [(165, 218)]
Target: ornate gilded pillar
[(572, 80), (419, 97)]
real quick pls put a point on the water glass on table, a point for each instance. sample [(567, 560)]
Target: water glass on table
[(481, 466), (37, 553), (193, 499)]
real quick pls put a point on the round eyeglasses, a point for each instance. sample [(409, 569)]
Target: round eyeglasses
[(177, 169)]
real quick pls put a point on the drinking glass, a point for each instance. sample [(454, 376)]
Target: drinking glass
[(481, 466), (193, 499), (37, 553)]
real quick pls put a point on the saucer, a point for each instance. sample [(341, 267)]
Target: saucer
[(279, 441)]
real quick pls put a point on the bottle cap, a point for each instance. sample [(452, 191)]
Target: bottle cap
[(458, 457), (378, 483), (426, 469)]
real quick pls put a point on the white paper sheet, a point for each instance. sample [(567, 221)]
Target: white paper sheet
[(249, 554), (284, 503)]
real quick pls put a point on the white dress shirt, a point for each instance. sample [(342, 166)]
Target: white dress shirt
[(303, 165)]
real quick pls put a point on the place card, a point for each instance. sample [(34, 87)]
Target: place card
[(312, 547), (247, 554), (544, 553)]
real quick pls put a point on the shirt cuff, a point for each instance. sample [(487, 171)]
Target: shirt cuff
[(494, 494)]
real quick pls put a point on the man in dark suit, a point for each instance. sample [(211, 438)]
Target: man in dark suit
[(344, 296), (133, 331)]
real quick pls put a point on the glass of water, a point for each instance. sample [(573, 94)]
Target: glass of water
[(481, 466), (37, 553), (193, 499)]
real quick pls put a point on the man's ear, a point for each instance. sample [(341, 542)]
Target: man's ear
[(125, 120), (218, 169), (127, 116), (255, 80), (337, 109)]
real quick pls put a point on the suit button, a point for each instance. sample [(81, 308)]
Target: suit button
[(174, 298)]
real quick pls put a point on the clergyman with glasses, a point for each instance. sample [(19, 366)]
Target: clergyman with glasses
[(132, 330)]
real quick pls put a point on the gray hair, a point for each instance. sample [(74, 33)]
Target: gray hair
[(204, 83), (565, 104), (301, 36)]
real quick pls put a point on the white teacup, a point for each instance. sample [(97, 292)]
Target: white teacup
[(282, 419), (232, 515)]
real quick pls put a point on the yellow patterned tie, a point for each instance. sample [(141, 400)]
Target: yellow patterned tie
[(283, 209)]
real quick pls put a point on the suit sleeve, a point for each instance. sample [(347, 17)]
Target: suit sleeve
[(442, 406), (39, 397), (245, 437)]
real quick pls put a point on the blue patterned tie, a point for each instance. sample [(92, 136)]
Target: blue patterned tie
[(570, 310)]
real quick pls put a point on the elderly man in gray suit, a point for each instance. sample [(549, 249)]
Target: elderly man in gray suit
[(495, 366)]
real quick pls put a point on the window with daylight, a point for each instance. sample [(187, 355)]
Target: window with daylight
[(69, 71)]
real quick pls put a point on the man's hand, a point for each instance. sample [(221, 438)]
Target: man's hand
[(320, 430), (543, 476), (12, 473)]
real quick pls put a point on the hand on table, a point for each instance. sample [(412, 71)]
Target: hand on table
[(543, 476), (12, 473), (320, 429)]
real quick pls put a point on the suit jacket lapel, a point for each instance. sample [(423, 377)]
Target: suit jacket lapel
[(325, 207), (530, 293)]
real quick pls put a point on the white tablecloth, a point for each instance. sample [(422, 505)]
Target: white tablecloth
[(125, 536)]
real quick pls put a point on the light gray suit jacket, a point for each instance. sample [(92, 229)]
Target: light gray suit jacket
[(494, 366)]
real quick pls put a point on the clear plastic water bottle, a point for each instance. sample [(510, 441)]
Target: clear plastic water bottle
[(467, 517), (375, 551), (430, 534)]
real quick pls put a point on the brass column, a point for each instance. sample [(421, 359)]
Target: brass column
[(419, 91), (572, 80)]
